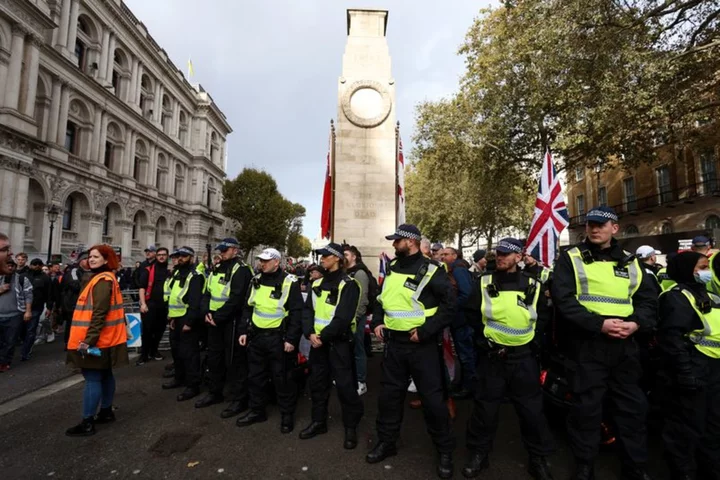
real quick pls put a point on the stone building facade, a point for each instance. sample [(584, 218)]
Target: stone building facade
[(673, 199), (98, 122)]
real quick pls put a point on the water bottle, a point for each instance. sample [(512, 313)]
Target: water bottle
[(94, 351)]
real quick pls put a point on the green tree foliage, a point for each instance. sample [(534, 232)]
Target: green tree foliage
[(263, 215), (298, 245)]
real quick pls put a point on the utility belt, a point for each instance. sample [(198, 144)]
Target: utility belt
[(401, 337), (256, 331), (495, 350)]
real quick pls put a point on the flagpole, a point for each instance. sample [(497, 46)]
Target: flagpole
[(397, 178), (332, 180)]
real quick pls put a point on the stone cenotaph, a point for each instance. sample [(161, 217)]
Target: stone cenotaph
[(365, 143)]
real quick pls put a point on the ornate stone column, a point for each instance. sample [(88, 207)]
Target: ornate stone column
[(30, 80), (63, 116), (14, 77), (72, 29), (96, 137), (54, 111), (102, 69), (64, 24)]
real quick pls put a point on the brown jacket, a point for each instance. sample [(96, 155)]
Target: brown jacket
[(112, 357)]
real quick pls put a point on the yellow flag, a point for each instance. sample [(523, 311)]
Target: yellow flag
[(191, 71)]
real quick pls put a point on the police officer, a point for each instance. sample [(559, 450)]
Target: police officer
[(271, 327), (413, 308), (510, 309), (689, 339), (603, 295), (223, 303), (329, 323), (183, 293)]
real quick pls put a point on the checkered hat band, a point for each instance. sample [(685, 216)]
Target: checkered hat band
[(600, 213), (509, 246), (333, 251), (412, 236)]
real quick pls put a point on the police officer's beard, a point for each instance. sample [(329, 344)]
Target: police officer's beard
[(401, 254)]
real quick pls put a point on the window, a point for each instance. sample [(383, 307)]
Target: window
[(158, 180), (136, 169), (580, 205), (602, 196), (666, 228), (708, 171), (67, 214), (629, 193), (631, 230), (80, 54), (712, 222), (106, 222), (663, 182), (116, 82), (71, 131), (109, 153), (579, 172)]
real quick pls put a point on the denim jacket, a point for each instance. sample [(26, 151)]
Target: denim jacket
[(23, 294)]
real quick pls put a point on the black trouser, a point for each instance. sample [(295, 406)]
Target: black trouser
[(335, 362), (153, 327), (517, 375), (186, 354), (227, 362), (422, 361), (267, 360), (607, 365), (692, 426)]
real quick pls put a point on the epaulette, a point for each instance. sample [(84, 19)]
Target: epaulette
[(292, 277)]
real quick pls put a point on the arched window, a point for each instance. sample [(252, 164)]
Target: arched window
[(666, 228), (68, 214), (712, 222), (631, 230), (106, 222), (80, 51), (71, 132)]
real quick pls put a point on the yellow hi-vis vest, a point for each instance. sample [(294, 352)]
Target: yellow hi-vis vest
[(714, 285), (603, 288), (177, 291), (324, 308), (268, 307), (218, 286), (666, 283), (707, 340), (508, 319), (403, 309)]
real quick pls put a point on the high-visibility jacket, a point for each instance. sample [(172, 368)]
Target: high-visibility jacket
[(400, 299), (113, 331), (666, 283), (707, 339), (218, 286), (325, 306), (509, 315), (269, 302), (604, 287), (176, 290), (714, 285)]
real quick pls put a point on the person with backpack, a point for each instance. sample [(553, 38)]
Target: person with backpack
[(368, 293)]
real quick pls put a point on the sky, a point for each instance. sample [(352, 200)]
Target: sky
[(272, 68)]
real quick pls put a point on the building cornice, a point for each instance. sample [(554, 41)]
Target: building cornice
[(28, 14)]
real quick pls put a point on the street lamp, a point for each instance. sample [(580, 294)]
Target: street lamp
[(53, 213)]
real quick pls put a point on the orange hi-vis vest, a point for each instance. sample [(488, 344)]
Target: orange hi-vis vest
[(113, 332)]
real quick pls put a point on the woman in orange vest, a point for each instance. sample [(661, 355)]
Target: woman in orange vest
[(98, 323)]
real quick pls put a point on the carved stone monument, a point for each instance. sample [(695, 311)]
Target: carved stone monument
[(365, 146)]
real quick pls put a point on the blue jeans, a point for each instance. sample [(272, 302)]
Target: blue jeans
[(9, 328), (360, 354), (465, 349), (99, 390), (31, 333)]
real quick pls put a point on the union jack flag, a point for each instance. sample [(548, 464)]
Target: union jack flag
[(551, 216), (384, 265)]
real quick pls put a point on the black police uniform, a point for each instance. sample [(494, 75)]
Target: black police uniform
[(154, 321), (267, 358), (186, 345), (335, 359), (423, 361), (604, 364), (227, 361), (509, 371)]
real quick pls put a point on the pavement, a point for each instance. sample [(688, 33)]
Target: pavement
[(155, 437)]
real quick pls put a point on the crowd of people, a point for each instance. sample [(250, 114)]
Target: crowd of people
[(256, 322)]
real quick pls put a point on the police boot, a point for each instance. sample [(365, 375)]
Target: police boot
[(236, 407), (209, 399), (538, 468), (584, 471), (105, 415), (381, 451), (350, 439), (171, 384), (287, 423), (188, 393), (83, 429), (445, 465), (635, 472), (315, 428), (251, 417), (477, 462), (168, 374)]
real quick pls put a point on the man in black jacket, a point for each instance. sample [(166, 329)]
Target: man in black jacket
[(185, 292), (271, 327), (615, 300), (42, 302), (415, 304), (222, 305), (328, 322), (73, 281), (153, 310)]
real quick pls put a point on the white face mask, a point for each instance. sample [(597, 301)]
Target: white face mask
[(703, 276), (521, 265)]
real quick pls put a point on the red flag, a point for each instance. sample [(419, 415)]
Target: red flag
[(326, 216), (400, 183)]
